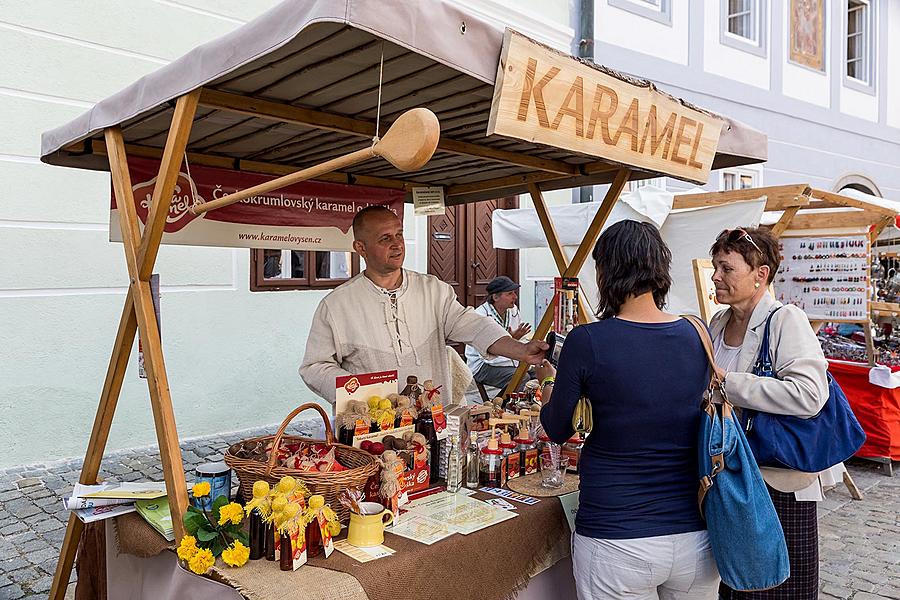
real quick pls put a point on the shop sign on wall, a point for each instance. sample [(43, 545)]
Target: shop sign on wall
[(828, 277), (310, 215), (542, 95)]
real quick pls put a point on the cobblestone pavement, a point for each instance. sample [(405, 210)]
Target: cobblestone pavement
[(33, 520), (859, 540)]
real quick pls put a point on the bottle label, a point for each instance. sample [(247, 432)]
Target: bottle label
[(406, 419), (512, 465), (531, 461), (362, 428), (440, 422)]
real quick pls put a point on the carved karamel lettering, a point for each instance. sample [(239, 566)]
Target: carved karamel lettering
[(602, 115), (692, 161), (531, 89), (629, 125), (651, 128), (577, 111), (681, 139)]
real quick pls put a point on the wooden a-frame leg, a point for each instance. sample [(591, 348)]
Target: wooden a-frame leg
[(556, 248), (581, 254), (140, 255)]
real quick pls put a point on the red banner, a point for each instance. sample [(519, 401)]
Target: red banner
[(306, 216)]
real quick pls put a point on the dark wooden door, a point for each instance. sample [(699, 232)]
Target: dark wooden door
[(461, 249)]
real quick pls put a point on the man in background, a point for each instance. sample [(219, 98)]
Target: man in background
[(500, 307)]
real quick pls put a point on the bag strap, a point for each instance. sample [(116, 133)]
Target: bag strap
[(763, 358), (715, 382), (706, 342)]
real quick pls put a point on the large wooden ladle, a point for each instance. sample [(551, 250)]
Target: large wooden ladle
[(408, 145)]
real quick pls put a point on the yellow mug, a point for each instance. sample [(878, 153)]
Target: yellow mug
[(367, 529)]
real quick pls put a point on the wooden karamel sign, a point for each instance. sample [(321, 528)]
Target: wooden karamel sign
[(544, 96)]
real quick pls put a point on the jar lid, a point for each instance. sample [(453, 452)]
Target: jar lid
[(543, 437), (575, 439)]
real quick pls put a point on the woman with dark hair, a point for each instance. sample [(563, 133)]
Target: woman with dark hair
[(638, 530), (745, 262)]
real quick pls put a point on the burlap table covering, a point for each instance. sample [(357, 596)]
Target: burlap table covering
[(530, 485), (136, 537), (491, 564)]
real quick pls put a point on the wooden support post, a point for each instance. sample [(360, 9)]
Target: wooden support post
[(784, 222), (851, 486), (137, 312), (556, 249), (581, 254)]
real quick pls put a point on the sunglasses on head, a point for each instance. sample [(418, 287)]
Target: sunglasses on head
[(733, 235)]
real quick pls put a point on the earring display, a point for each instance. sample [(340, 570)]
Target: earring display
[(827, 277)]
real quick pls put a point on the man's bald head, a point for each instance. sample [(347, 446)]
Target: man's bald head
[(364, 220), (378, 238)]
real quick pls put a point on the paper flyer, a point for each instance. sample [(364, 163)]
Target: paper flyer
[(138, 490), (422, 529)]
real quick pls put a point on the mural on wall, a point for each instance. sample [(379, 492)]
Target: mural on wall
[(808, 33)]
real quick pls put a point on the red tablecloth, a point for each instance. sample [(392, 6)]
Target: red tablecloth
[(876, 408)]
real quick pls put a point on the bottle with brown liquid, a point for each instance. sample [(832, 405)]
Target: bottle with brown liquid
[(286, 560)]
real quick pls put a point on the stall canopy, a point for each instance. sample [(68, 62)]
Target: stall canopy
[(300, 84), (309, 82)]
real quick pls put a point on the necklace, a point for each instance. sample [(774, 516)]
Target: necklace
[(496, 315)]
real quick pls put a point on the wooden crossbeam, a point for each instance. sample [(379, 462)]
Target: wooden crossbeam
[(255, 166), (574, 267), (307, 117), (833, 220), (137, 313), (778, 197), (849, 202), (784, 221)]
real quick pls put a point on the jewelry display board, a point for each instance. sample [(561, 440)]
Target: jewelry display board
[(827, 277)]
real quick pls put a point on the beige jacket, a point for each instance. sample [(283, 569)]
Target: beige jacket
[(801, 388)]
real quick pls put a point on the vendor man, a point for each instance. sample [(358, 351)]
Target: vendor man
[(389, 318), (500, 306)]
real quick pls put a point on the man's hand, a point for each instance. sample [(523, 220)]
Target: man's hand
[(519, 332), (534, 351), (544, 370), (531, 352)]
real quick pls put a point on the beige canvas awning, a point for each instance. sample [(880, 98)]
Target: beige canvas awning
[(299, 85)]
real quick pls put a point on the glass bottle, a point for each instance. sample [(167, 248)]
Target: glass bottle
[(491, 464), (528, 453), (472, 462), (413, 390), (257, 536), (313, 539), (286, 558), (425, 426), (454, 466), (270, 541), (510, 458)]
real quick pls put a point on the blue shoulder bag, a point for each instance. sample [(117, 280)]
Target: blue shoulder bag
[(808, 445), (744, 531)]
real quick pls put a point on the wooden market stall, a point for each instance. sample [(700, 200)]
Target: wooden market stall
[(818, 229), (306, 83)]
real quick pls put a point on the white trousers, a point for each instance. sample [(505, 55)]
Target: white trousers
[(667, 567)]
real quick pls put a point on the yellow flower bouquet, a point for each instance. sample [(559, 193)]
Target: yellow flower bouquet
[(213, 533)]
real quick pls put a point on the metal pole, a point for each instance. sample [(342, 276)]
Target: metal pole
[(586, 51)]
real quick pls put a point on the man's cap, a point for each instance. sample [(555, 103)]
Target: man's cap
[(501, 284)]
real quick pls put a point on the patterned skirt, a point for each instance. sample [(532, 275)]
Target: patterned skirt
[(801, 532)]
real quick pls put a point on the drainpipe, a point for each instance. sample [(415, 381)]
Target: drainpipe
[(585, 36)]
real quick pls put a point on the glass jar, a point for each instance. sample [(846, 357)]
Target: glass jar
[(491, 465), (510, 458), (528, 455)]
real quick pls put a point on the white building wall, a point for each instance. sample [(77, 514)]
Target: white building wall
[(728, 61), (892, 85), (799, 81), (231, 355), (614, 24)]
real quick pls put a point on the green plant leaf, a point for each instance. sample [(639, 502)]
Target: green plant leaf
[(243, 537), (205, 535), (217, 547), (193, 522), (217, 505)]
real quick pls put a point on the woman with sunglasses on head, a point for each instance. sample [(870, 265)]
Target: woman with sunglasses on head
[(745, 262), (638, 531)]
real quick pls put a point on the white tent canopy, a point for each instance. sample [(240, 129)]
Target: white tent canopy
[(689, 233)]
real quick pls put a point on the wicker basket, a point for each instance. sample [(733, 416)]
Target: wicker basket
[(360, 464)]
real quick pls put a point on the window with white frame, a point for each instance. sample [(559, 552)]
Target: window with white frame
[(658, 10), (859, 41), (742, 19), (739, 179), (659, 182)]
